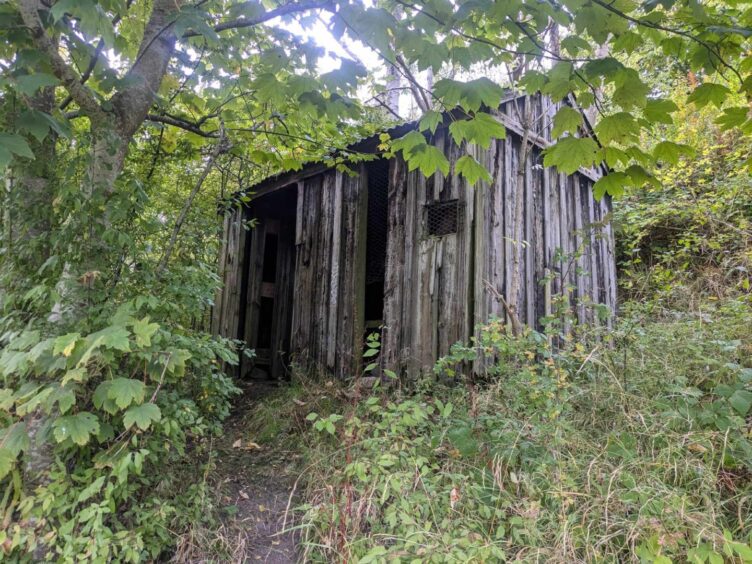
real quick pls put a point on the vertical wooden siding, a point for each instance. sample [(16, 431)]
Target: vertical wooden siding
[(327, 308), (439, 288), (227, 303)]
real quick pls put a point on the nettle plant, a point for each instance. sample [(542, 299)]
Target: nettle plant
[(116, 407)]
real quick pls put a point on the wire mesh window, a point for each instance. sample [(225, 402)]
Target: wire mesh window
[(443, 218)]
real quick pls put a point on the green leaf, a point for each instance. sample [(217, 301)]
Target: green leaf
[(16, 145), (64, 397), (14, 439), (566, 120), (430, 121), (630, 90), (612, 184), (408, 142), (78, 428), (115, 337), (709, 93), (670, 152), (7, 460), (620, 127), (142, 416), (39, 123), (125, 391), (640, 176), (469, 95), (428, 159), (741, 401), (143, 331), (471, 170), (480, 129), (571, 153), (733, 117), (28, 84), (659, 110), (65, 344)]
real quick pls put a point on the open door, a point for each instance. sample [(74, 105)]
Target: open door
[(377, 173), (268, 285)]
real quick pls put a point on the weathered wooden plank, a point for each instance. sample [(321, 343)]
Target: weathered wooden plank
[(528, 280), (217, 312), (395, 264), (334, 275)]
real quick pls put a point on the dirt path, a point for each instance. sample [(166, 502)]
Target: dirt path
[(256, 482)]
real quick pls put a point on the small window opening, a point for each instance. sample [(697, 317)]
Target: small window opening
[(443, 218)]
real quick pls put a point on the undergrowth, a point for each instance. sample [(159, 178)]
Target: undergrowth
[(633, 449)]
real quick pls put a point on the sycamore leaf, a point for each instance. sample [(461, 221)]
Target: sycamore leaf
[(469, 95), (5, 157), (408, 142), (566, 120), (430, 121), (620, 127), (142, 416), (7, 460), (670, 152), (125, 391), (65, 344), (143, 331), (659, 110), (630, 90), (709, 93), (471, 170), (640, 176), (571, 153), (480, 129), (78, 428), (101, 400), (733, 117), (16, 145), (28, 84), (612, 184), (64, 397), (14, 439), (428, 159)]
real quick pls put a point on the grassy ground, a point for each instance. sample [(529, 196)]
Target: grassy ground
[(636, 448)]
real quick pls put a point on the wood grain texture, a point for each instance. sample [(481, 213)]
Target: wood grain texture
[(437, 289)]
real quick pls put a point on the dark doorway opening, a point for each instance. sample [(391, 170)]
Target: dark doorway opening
[(376, 241), (268, 284)]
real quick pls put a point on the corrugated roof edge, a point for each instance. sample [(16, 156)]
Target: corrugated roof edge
[(368, 144)]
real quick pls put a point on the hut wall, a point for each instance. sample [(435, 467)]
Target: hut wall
[(438, 288), (327, 308)]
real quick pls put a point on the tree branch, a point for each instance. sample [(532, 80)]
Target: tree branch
[(182, 124), (284, 10), (80, 94), (221, 147)]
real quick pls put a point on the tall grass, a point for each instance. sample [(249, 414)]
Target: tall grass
[(635, 448)]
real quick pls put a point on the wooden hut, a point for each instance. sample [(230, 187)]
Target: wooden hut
[(424, 260)]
